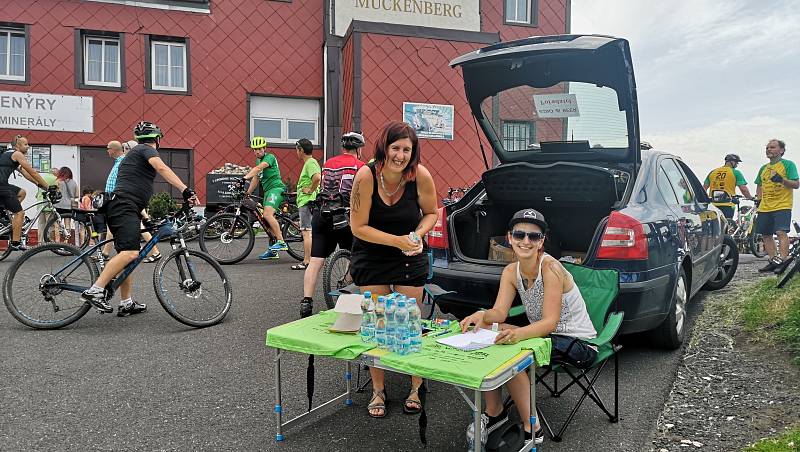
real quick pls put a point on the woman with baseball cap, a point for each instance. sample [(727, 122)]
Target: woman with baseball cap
[(554, 306)]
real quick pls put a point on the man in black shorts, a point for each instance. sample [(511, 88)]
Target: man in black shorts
[(337, 180), (131, 194), (11, 196)]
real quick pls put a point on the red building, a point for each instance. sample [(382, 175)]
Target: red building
[(75, 74)]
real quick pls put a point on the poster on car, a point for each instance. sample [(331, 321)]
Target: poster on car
[(431, 121), (556, 105)]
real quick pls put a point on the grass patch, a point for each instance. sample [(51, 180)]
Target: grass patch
[(789, 441), (772, 315)]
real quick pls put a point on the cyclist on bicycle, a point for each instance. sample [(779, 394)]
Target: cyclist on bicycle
[(326, 231), (11, 196), (132, 192), (269, 174), (726, 178)]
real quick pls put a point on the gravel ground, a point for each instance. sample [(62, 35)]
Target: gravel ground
[(729, 392)]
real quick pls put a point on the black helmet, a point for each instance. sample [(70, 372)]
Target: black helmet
[(733, 158), (352, 140), (145, 130)]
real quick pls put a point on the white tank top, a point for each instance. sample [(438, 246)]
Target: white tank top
[(574, 320)]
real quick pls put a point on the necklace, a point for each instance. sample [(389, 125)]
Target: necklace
[(383, 186)]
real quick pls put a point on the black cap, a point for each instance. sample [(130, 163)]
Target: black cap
[(733, 158), (528, 216)]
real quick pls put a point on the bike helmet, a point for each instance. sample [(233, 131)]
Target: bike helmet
[(258, 143), (733, 158), (352, 140), (145, 130)]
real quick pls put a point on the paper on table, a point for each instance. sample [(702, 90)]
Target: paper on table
[(470, 340)]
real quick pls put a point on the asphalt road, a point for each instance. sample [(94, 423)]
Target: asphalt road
[(147, 382)]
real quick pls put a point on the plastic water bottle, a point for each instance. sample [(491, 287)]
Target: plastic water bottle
[(380, 322), (401, 321), (367, 319), (414, 326), (391, 325)]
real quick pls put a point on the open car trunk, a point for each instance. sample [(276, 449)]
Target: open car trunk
[(575, 199)]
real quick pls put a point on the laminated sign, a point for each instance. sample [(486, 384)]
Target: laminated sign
[(556, 105)]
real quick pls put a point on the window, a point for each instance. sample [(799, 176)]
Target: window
[(198, 6), (13, 54), (678, 182), (521, 12), (518, 136), (284, 120), (101, 64), (168, 61)]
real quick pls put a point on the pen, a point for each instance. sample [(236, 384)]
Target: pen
[(441, 333)]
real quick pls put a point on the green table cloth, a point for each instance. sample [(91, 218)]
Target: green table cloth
[(311, 336)]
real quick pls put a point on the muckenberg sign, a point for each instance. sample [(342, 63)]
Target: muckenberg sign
[(449, 14), (34, 111)]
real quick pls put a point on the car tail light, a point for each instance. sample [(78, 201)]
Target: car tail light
[(437, 237), (623, 238)]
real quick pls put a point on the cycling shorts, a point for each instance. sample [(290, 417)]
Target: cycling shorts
[(273, 198)]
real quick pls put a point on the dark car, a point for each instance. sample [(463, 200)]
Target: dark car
[(561, 115)]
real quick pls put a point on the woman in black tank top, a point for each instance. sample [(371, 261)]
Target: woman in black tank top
[(391, 198)]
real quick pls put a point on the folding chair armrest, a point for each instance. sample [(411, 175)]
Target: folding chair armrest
[(610, 329)]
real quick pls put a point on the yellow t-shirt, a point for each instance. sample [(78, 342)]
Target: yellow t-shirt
[(726, 179), (774, 196)]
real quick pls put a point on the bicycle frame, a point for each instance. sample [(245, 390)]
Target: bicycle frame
[(26, 229), (123, 275)]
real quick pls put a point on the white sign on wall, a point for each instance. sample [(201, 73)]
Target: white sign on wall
[(449, 14), (35, 111), (556, 105)]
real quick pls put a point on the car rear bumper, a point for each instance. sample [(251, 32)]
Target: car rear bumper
[(645, 298)]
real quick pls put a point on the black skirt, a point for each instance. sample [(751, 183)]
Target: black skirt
[(377, 265)]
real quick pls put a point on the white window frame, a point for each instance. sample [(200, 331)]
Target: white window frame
[(8, 76), (169, 44), (516, 19), (284, 138), (104, 40)]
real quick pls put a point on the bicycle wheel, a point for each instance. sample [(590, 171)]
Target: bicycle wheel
[(40, 307), (756, 244), (335, 275), (293, 236), (235, 241), (199, 301), (789, 274), (56, 232)]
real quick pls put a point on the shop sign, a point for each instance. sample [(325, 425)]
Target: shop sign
[(57, 113), (448, 14), (430, 120)]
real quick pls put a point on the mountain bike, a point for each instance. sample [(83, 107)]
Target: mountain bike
[(78, 235), (229, 236), (42, 288), (793, 263), (6, 217), (742, 232)]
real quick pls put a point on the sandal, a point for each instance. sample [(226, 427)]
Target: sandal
[(375, 404), (153, 258), (416, 405), (300, 266)]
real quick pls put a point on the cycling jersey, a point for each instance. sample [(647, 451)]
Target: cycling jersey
[(726, 179), (774, 196), (270, 176)]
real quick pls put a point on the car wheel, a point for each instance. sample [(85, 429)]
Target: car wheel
[(669, 335), (727, 265)]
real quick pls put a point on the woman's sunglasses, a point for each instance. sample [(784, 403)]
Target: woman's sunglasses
[(532, 236)]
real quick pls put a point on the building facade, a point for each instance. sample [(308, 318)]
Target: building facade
[(75, 74)]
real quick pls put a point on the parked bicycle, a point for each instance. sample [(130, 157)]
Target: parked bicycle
[(45, 207), (335, 275), (42, 290), (793, 263), (741, 229), (229, 236)]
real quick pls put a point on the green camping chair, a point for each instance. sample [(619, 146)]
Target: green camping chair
[(599, 289)]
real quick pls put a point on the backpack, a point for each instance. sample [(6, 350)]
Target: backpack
[(509, 437), (334, 207)]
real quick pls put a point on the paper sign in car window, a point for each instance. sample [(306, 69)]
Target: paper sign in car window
[(556, 105)]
